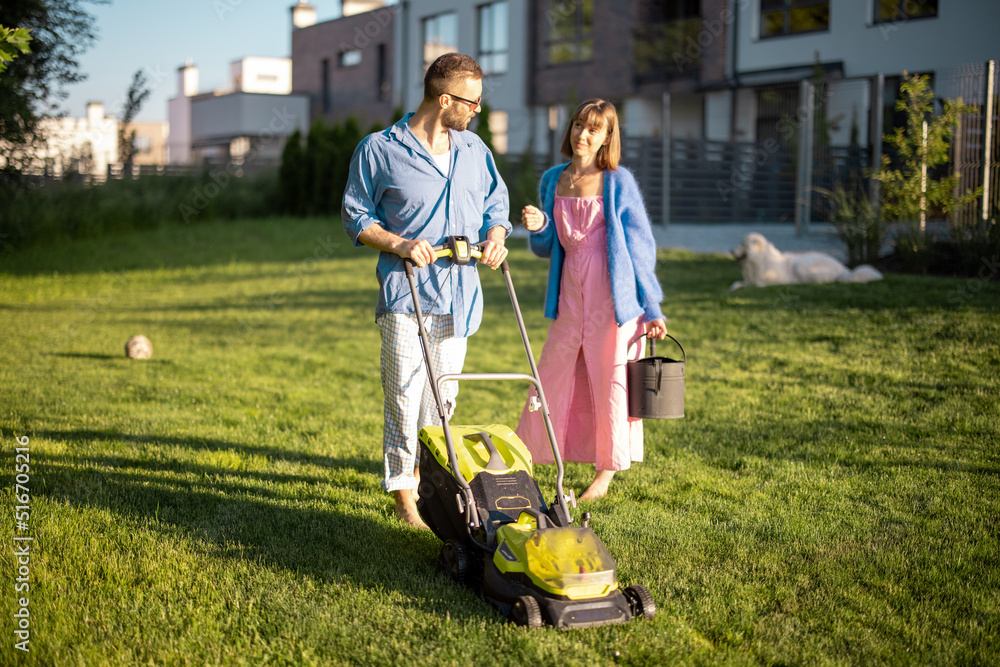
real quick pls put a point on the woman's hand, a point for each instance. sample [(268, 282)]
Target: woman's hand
[(532, 218), (657, 329)]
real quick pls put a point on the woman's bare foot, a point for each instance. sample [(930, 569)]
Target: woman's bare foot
[(599, 487), (406, 508)]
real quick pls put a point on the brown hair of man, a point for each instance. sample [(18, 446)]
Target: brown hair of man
[(597, 113), (447, 71)]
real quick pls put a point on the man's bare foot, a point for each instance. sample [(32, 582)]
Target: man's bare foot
[(599, 487), (406, 508)]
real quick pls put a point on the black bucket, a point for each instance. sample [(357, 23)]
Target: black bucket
[(656, 384)]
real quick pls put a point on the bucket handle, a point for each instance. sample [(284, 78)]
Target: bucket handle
[(652, 345)]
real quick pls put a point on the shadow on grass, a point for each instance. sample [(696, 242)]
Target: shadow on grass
[(87, 355), (211, 243), (326, 299), (819, 442), (364, 466), (245, 515)]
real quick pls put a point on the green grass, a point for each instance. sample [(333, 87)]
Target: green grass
[(831, 497)]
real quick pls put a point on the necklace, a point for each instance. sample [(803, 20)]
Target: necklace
[(573, 182)]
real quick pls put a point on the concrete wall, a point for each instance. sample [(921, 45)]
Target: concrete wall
[(261, 75), (179, 139), (225, 117)]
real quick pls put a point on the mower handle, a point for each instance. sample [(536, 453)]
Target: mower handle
[(461, 251), (458, 248)]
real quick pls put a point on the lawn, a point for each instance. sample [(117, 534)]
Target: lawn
[(831, 496)]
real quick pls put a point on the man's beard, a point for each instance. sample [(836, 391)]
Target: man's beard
[(454, 118)]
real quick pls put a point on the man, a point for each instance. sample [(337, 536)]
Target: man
[(410, 186)]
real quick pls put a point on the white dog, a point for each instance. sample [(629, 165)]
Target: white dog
[(764, 265)]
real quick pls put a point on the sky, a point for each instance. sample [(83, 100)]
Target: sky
[(158, 36)]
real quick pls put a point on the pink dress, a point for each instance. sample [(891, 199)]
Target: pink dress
[(582, 368)]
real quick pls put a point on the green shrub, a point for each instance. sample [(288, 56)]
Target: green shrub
[(916, 250), (32, 212), (978, 246), (522, 184), (858, 224)]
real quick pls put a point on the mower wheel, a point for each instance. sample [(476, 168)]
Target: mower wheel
[(641, 602), (527, 612), (456, 561)]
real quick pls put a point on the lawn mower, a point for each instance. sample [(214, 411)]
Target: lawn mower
[(477, 494)]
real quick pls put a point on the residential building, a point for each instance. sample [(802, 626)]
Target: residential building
[(853, 42), (632, 52), (88, 146), (852, 56), (150, 142), (79, 145), (717, 99), (345, 65), (248, 122), (496, 34)]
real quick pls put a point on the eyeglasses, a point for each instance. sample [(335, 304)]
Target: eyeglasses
[(473, 104)]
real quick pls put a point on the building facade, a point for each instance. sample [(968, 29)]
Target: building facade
[(345, 65), (714, 96), (495, 33), (84, 146), (837, 67), (248, 122), (855, 43)]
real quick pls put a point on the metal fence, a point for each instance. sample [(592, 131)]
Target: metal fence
[(780, 177), (976, 147), (729, 181)]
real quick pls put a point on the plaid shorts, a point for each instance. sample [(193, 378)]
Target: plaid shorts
[(409, 402)]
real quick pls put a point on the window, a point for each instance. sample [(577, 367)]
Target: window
[(493, 41), (901, 10), (570, 30), (440, 36), (142, 144), (790, 17), (663, 36), (350, 58)]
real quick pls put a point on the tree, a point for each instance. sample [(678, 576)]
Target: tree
[(137, 93), (910, 191), (33, 85), (13, 40), (318, 167), (348, 139), (483, 127), (291, 175)]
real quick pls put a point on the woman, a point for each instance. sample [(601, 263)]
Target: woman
[(602, 292)]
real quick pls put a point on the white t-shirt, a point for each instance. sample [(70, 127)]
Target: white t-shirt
[(443, 162)]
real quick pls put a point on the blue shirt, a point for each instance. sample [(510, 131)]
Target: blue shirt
[(394, 182)]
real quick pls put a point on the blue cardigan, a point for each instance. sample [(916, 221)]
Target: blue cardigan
[(631, 247)]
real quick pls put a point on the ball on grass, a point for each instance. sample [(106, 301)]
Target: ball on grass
[(138, 347)]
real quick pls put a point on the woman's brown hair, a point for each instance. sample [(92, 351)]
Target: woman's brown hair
[(596, 112)]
